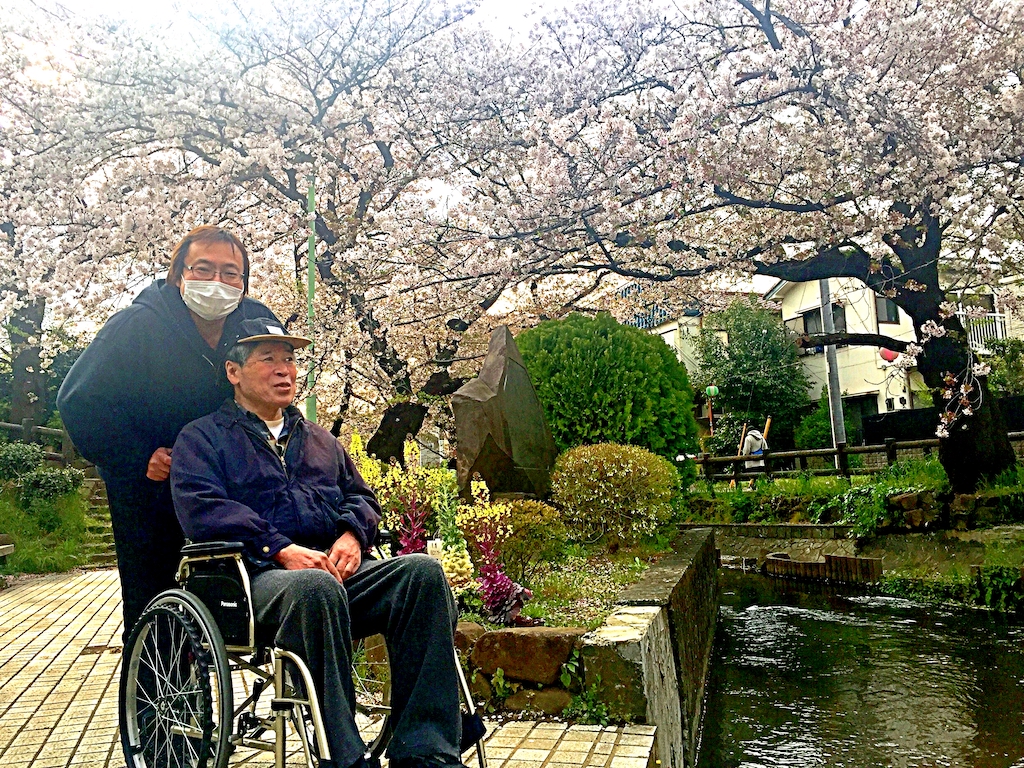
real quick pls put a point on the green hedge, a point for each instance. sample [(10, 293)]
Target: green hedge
[(17, 459), (602, 382)]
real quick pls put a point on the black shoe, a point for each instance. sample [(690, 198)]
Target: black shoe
[(362, 762)]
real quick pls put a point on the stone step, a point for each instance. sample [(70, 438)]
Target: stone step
[(99, 542), (99, 561), (105, 556), (97, 546)]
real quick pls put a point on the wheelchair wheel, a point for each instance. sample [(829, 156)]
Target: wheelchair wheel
[(371, 676), (175, 695)]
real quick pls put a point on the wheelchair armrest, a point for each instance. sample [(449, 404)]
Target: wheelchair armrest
[(386, 541), (208, 548)]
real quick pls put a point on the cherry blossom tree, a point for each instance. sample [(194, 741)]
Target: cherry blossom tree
[(232, 129), (35, 202), (457, 173), (876, 140)]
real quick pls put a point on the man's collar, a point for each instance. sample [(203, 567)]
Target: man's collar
[(292, 415)]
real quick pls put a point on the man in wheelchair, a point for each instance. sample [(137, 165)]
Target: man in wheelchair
[(257, 472)]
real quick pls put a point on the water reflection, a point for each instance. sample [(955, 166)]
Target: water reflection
[(822, 679)]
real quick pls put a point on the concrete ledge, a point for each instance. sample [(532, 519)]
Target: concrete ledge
[(630, 659)]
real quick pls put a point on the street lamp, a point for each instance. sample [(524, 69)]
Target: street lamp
[(712, 393)]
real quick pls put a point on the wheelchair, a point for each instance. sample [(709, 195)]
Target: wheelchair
[(195, 649)]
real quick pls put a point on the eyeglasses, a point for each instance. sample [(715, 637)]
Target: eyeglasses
[(206, 272)]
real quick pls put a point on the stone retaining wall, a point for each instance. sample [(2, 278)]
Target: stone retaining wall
[(754, 541), (653, 653), (530, 661), (775, 530), (648, 663)]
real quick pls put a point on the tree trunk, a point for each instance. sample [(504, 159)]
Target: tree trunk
[(977, 447), (28, 393), (400, 421)]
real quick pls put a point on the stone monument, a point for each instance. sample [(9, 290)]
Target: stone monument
[(500, 426)]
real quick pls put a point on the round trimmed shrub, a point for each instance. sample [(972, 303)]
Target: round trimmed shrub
[(49, 483), (537, 535), (621, 491), (17, 459)]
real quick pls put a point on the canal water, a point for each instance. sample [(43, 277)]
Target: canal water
[(812, 678)]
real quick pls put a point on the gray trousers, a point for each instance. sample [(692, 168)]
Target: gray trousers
[(407, 600)]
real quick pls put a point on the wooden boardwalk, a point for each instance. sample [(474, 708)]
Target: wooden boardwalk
[(60, 653)]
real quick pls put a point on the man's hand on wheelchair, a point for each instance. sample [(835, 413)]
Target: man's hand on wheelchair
[(159, 466), (341, 561)]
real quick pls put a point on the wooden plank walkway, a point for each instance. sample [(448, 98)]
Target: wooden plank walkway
[(60, 653)]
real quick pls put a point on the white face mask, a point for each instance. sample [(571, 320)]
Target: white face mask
[(210, 299)]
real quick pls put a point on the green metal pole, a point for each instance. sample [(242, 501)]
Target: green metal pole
[(310, 288)]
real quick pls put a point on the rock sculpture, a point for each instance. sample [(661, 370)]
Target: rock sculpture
[(500, 426)]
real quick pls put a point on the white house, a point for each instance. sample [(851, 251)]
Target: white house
[(869, 383)]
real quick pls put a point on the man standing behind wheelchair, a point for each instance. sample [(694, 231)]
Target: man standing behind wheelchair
[(257, 472), (154, 367)]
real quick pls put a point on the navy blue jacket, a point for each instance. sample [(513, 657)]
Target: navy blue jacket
[(229, 484), (146, 375)]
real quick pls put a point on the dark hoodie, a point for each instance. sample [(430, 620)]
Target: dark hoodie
[(146, 375)]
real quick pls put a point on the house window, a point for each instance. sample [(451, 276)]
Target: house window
[(813, 324), (887, 310)]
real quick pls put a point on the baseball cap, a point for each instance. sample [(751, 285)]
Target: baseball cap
[(266, 329)]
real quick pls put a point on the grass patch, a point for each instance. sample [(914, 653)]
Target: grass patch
[(580, 591), (579, 588), (954, 587), (859, 501), (996, 587), (48, 534)]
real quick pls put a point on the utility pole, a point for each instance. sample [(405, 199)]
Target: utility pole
[(835, 395), (310, 288)]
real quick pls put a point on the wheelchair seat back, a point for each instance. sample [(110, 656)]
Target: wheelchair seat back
[(215, 574)]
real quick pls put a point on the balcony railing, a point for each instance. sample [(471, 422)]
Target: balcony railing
[(983, 328)]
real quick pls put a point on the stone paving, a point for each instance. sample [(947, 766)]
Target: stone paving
[(60, 652)]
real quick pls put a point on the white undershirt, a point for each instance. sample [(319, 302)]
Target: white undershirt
[(275, 427)]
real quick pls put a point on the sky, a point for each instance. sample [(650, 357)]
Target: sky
[(500, 15)]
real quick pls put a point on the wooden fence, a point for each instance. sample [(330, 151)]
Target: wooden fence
[(30, 432), (733, 467)]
